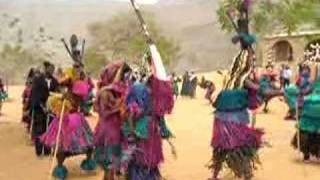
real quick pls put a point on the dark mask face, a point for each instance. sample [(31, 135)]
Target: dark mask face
[(74, 40)]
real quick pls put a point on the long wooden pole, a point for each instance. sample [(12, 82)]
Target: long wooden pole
[(158, 67), (57, 139), (298, 127), (142, 21), (32, 123)]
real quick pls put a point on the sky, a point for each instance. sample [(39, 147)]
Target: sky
[(142, 1), (138, 1)]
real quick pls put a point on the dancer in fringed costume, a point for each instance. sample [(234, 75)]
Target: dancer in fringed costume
[(111, 107), (255, 101), (233, 142), (75, 134), (295, 93), (309, 117), (146, 127), (268, 80), (261, 91), (86, 105)]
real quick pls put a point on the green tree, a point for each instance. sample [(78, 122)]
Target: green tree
[(285, 15), (15, 61), (121, 38), (94, 61)]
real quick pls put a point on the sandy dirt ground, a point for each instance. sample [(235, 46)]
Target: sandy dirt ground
[(191, 122)]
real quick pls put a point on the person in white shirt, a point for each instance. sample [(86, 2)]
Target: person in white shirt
[(287, 74)]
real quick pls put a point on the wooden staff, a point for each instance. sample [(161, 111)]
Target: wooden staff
[(32, 123), (67, 48), (57, 139), (83, 49), (157, 63), (298, 127)]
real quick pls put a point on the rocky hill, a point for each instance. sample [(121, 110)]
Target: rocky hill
[(191, 22)]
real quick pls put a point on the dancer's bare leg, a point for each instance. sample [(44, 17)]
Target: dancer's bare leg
[(60, 158)]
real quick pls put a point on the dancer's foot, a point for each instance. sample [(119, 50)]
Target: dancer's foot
[(88, 165), (290, 117), (60, 172), (306, 157), (265, 110)]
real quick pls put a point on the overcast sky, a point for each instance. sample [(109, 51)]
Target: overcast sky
[(142, 1), (139, 1)]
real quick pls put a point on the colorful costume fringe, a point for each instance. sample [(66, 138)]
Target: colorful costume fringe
[(110, 105), (76, 135), (294, 94), (233, 142), (291, 94), (149, 129), (3, 95), (309, 125), (255, 96)]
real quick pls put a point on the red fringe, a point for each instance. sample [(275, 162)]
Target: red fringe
[(162, 96)]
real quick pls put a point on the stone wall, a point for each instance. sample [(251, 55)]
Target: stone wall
[(297, 43)]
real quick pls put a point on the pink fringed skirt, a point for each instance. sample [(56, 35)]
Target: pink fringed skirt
[(75, 138), (107, 140), (150, 152), (230, 135)]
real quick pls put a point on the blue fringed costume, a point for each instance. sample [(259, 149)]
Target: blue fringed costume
[(144, 155), (309, 124)]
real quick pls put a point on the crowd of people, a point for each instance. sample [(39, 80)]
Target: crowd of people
[(127, 140), (132, 105), (189, 84)]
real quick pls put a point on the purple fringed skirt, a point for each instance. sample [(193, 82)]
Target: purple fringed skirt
[(149, 155), (150, 150), (76, 136), (162, 97), (107, 140), (108, 131), (138, 172), (255, 101), (229, 135)]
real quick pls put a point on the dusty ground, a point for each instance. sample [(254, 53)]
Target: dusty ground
[(192, 124)]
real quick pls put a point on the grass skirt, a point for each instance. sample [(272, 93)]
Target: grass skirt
[(309, 143), (236, 145), (75, 138), (3, 96), (142, 160), (150, 150), (309, 125), (107, 139), (291, 94), (138, 172)]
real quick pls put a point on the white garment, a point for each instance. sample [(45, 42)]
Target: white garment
[(287, 73)]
